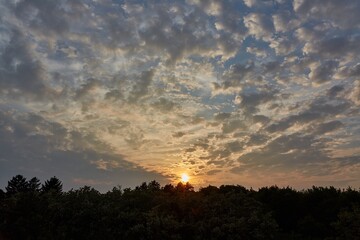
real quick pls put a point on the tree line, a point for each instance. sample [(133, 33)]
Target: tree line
[(31, 210)]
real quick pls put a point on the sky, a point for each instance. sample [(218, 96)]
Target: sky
[(249, 92)]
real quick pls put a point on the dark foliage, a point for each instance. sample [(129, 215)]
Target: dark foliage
[(34, 184), (52, 185), (17, 184), (150, 211)]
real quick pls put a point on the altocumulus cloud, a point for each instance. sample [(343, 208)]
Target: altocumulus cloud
[(118, 92)]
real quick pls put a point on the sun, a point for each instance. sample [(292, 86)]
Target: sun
[(184, 178)]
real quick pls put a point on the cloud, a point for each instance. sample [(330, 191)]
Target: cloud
[(328, 127), (21, 72), (165, 105), (127, 90), (317, 110), (234, 146), (222, 116), (179, 32), (350, 71), (178, 134), (237, 74), (43, 16), (86, 88), (294, 151), (323, 72), (141, 86), (335, 90), (334, 11), (249, 101), (257, 139), (355, 93), (250, 3), (114, 95), (258, 3), (213, 172), (285, 21), (333, 47), (283, 45), (257, 51), (233, 125), (228, 24), (35, 146), (259, 25)]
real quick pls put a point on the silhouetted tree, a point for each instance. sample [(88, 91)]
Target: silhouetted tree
[(17, 184), (154, 186), (149, 211), (21, 209), (181, 187), (34, 184), (348, 224), (168, 188), (52, 185), (209, 190)]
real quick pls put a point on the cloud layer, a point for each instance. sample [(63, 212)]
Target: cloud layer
[(119, 92)]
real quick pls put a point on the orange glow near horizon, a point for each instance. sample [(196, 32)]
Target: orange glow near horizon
[(184, 178)]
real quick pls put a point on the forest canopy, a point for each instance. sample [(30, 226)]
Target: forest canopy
[(31, 210)]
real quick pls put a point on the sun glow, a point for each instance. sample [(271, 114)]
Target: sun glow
[(184, 178)]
